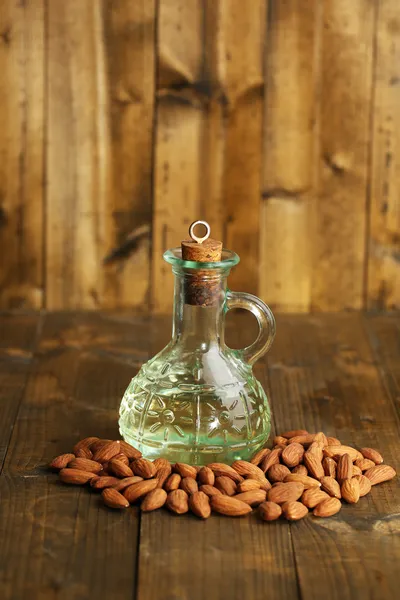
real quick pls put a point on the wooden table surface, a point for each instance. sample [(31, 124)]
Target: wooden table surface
[(61, 378)]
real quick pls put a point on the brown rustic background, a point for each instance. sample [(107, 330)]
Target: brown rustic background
[(121, 121)]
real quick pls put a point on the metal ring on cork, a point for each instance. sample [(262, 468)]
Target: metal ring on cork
[(194, 237)]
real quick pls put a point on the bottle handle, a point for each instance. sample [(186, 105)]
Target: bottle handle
[(265, 319)]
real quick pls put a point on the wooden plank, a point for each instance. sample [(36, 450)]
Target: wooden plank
[(323, 377), (345, 104), (21, 153), (383, 291), (289, 154), (384, 335), (99, 177), (17, 340)]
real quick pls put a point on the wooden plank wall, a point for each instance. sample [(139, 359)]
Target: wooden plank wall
[(121, 121)]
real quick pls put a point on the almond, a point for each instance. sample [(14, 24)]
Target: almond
[(177, 502), (119, 469), (225, 485), (292, 455), (321, 438), (313, 496), (99, 483), (279, 440), (206, 476), (144, 468), (225, 505), (336, 451), (107, 452), (264, 484), (114, 499), (185, 470), (161, 464), (344, 469), (280, 446), (372, 454), (60, 462), (304, 440), (130, 451), (84, 464), (137, 490), (294, 433), (364, 463), (293, 511), (316, 448), (329, 466), (327, 508), (365, 485), (308, 482), (162, 475), (84, 453), (87, 442), (199, 504), (253, 497), (379, 474), (75, 476), (314, 465), (219, 469), (189, 485), (173, 482), (246, 469), (356, 471), (350, 490), (154, 500), (277, 472), (259, 456), (122, 458), (332, 441), (271, 459), (210, 490), (247, 485), (124, 483), (300, 470), (95, 446), (269, 511), (285, 492), (330, 486)]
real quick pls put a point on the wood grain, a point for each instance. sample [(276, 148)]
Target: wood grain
[(345, 104), (383, 290), (22, 69), (323, 377), (289, 151)]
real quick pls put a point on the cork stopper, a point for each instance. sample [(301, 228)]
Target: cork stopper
[(200, 288)]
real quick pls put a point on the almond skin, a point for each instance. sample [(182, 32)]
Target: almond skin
[(316, 448), (308, 482), (327, 508), (199, 504), (210, 490), (321, 438), (365, 485), (185, 470), (293, 511), (225, 485), (162, 463), (277, 472), (313, 496), (271, 459), (259, 456), (305, 439), (279, 440), (126, 482), (189, 485), (344, 469), (140, 489), (269, 511), (84, 464), (364, 464), (154, 500), (285, 492), (143, 468), (85, 443), (356, 471), (206, 476), (114, 499), (122, 458), (225, 505), (247, 485), (380, 473), (119, 469), (99, 483), (95, 446), (246, 469), (372, 454), (107, 452), (130, 451), (60, 462), (253, 498), (219, 469), (330, 486), (177, 502), (329, 466), (75, 476), (350, 490), (173, 482), (336, 451), (294, 433), (84, 453), (314, 465), (332, 441), (300, 470), (162, 475), (292, 455)]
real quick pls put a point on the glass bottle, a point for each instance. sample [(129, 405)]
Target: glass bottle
[(197, 401)]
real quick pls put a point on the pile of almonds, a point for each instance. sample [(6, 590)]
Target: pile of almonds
[(303, 471)]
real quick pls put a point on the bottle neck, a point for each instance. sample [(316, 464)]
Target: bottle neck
[(199, 297)]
